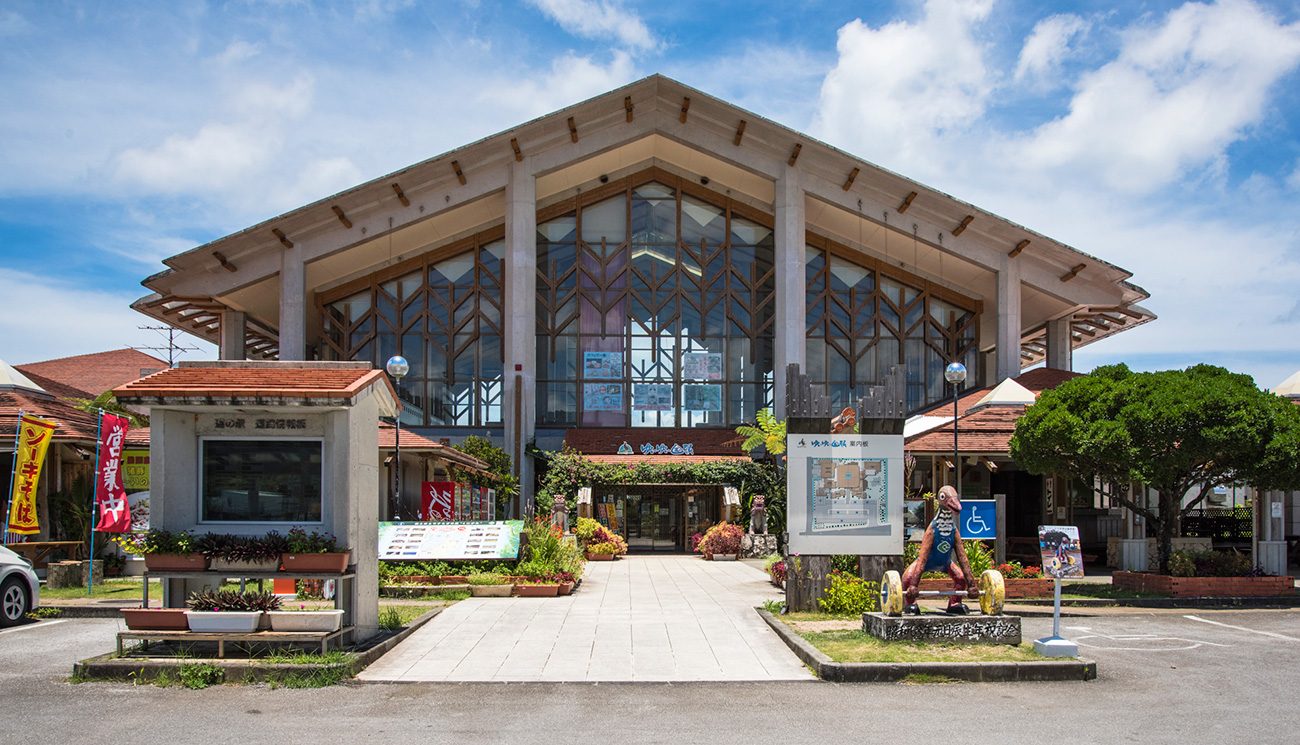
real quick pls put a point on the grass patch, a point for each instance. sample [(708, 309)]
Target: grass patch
[(199, 675), (812, 616), (322, 678), (921, 679), (1092, 590), (858, 646), (333, 657), (40, 613), (109, 589)]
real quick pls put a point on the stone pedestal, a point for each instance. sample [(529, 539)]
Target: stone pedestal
[(63, 574), (98, 565), (972, 629), (757, 546)]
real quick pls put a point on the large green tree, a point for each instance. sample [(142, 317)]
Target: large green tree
[(1179, 432)]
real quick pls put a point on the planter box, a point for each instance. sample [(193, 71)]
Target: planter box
[(316, 620), (537, 591), (226, 565), (1016, 588), (1204, 587), (452, 579), (236, 622), (566, 588), (333, 563), (155, 619), (721, 557), (600, 557), (491, 591), (175, 562)]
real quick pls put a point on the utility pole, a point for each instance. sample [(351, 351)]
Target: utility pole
[(173, 349)]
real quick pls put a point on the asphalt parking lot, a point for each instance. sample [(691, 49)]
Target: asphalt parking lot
[(1185, 677)]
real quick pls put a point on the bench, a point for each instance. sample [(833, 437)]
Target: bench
[(279, 637)]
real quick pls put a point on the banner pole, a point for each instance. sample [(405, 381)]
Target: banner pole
[(13, 473), (94, 506)]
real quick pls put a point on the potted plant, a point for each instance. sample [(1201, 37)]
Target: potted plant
[(226, 611), (304, 619), (242, 553), (605, 551), (721, 542), (164, 550), (155, 619), (566, 580), (537, 587), (489, 585), (314, 552), (591, 534)]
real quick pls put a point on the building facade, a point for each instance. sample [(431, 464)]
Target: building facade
[(650, 259)]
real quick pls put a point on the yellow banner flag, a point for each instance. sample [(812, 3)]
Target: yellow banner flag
[(33, 441)]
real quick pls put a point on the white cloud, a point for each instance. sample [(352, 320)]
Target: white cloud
[(599, 20), (81, 321), (236, 52), (1047, 46), (1176, 96), (570, 79), (896, 89)]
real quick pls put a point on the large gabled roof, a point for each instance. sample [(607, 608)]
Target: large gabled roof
[(94, 373)]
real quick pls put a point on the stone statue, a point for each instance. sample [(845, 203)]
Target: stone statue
[(942, 550), (559, 511), (758, 515)]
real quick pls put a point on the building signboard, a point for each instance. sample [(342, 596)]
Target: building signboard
[(845, 494), (448, 541)]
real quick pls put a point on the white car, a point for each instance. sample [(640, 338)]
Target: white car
[(20, 590)]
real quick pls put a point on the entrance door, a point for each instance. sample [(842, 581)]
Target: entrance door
[(654, 522)]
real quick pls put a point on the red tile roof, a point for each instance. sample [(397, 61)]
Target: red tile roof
[(253, 380), (74, 425), (57, 389), (92, 374), (631, 461), (415, 442), (989, 429)]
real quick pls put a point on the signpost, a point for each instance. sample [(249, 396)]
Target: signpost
[(482, 541), (1062, 558)]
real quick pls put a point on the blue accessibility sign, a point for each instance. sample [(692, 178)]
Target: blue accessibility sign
[(979, 519)]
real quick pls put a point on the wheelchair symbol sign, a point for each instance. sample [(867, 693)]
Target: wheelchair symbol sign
[(979, 519)]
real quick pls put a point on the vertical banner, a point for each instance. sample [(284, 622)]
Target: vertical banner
[(33, 442), (111, 507), (438, 501)]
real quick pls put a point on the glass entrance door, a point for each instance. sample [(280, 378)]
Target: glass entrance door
[(654, 522)]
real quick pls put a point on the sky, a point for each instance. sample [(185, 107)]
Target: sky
[(1162, 136)]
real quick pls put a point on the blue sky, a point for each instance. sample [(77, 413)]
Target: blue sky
[(1161, 136)]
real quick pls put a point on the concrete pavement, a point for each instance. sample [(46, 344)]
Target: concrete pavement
[(644, 618)]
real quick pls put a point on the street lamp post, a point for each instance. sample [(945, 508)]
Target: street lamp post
[(398, 367), (955, 373)]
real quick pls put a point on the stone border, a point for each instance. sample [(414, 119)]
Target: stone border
[(1277, 601), (107, 667), (887, 672)]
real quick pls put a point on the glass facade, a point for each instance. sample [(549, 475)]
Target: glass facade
[(861, 321), (655, 308), (444, 316)]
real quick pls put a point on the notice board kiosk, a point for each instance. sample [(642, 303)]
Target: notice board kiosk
[(245, 448)]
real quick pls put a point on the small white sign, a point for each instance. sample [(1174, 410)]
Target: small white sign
[(1275, 509)]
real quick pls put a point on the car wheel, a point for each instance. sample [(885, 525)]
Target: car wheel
[(13, 601)]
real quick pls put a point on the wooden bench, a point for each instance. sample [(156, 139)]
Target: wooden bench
[(38, 552), (276, 637)]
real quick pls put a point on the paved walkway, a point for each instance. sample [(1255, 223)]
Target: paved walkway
[(644, 618)]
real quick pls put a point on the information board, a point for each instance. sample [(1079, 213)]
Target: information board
[(845, 494), (450, 540), (1061, 551)]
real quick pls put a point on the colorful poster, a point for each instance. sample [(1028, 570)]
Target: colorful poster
[(702, 366), (34, 437), (1061, 551), (114, 513), (450, 541), (602, 397), (845, 494), (652, 396), (602, 365), (438, 501), (135, 469), (702, 397)]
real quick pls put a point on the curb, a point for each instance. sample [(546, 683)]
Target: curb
[(1282, 601), (888, 672), (108, 668)]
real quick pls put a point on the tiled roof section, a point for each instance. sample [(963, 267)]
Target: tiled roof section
[(60, 390), (417, 443), (988, 430), (98, 372), (631, 461), (1036, 380), (240, 382), (74, 425)]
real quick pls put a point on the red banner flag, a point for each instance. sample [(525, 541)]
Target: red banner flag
[(438, 501), (110, 497)]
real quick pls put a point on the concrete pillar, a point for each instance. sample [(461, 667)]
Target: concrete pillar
[(293, 305), (1060, 347), (234, 325), (520, 393), (1270, 532), (791, 283), (1008, 349)]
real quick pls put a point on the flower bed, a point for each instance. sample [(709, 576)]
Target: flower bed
[(721, 540), (1203, 587), (1015, 588)]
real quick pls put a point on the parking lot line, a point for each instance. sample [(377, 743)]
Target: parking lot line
[(29, 627), (1243, 628)]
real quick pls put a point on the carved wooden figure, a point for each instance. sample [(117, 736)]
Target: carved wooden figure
[(942, 550)]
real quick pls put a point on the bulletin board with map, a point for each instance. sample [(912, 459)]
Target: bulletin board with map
[(845, 494)]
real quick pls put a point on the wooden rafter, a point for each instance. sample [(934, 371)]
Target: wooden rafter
[(573, 130), (794, 154), (740, 131), (401, 195), (514, 145), (961, 226), (343, 218), (853, 175), (280, 236), (686, 106), (224, 262), (627, 108), (907, 202), (1020, 247), (460, 175), (1074, 272)]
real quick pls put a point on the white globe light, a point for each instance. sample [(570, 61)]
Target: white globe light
[(397, 366), (955, 372)]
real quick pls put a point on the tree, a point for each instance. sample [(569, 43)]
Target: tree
[(769, 432), (106, 401), (1175, 431), (498, 461)]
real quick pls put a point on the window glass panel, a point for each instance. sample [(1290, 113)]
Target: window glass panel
[(654, 215), (607, 220), (748, 233), (561, 229), (262, 480), (702, 221)]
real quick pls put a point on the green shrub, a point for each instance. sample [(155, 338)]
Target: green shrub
[(483, 579), (849, 594), (1181, 565), (1210, 563), (200, 675), (391, 619)]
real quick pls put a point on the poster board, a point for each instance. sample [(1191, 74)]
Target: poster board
[(1061, 551), (602, 396), (602, 365), (449, 541), (845, 494), (702, 366)]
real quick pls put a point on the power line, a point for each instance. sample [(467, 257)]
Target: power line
[(173, 350)]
